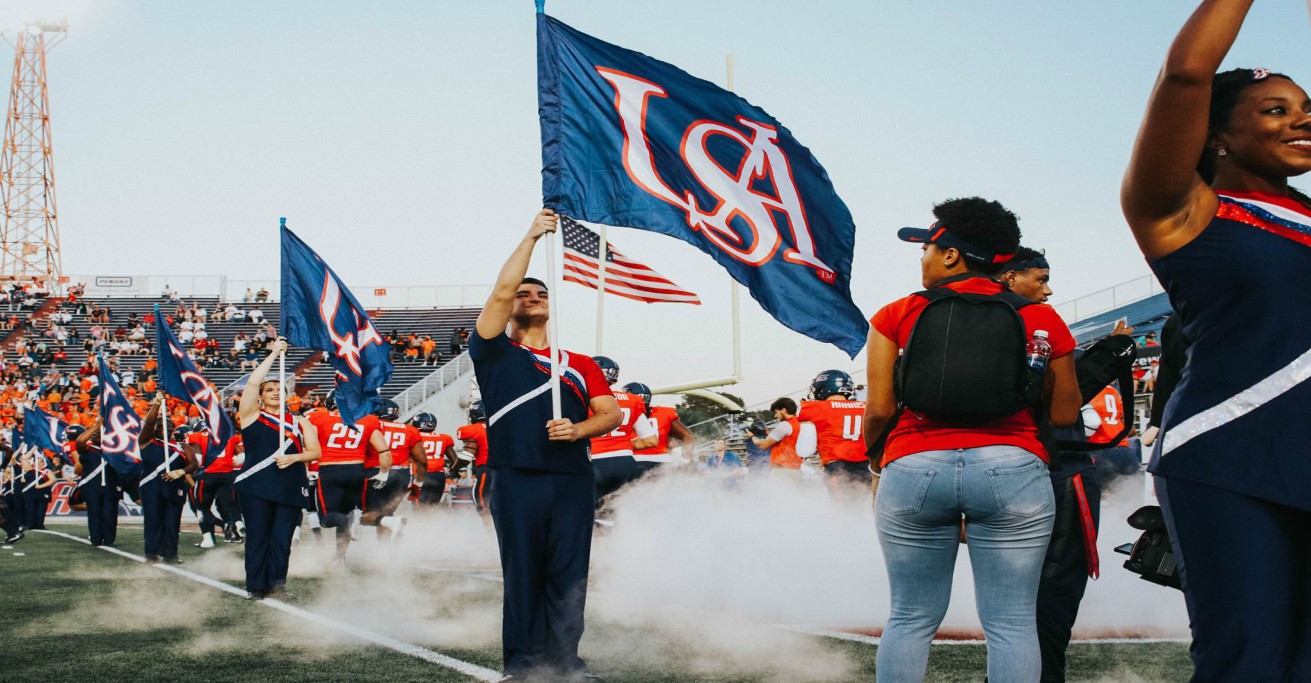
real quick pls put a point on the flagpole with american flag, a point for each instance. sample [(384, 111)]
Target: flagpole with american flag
[(603, 251)]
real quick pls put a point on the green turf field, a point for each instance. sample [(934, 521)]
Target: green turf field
[(74, 613)]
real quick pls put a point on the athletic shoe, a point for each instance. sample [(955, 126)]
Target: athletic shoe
[(281, 593), (257, 595), (206, 541), (16, 537), (394, 524), (173, 559), (152, 559)]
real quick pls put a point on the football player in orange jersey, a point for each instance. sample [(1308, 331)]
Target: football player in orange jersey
[(666, 423), (381, 502), (838, 422), (439, 449), (613, 463), (473, 438), (342, 479), (1104, 414)]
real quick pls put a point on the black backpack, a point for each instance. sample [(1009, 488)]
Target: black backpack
[(965, 360)]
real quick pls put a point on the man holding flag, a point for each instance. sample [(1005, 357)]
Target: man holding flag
[(179, 377), (100, 488), (542, 489)]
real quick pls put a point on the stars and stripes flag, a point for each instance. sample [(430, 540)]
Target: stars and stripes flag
[(623, 276)]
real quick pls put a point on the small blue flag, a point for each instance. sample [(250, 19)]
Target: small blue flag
[(119, 425), (180, 378), (631, 141), (44, 430), (318, 312)]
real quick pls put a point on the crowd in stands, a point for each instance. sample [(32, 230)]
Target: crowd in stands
[(32, 375)]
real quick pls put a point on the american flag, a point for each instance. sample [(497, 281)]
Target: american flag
[(623, 276)]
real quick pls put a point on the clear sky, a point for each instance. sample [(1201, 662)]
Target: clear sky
[(401, 139)]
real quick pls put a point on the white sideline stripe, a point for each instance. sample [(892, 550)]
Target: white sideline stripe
[(874, 640), (466, 668)]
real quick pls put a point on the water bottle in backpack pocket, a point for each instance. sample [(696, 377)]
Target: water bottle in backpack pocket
[(967, 359)]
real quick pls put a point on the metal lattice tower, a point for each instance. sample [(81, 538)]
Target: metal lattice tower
[(29, 236)]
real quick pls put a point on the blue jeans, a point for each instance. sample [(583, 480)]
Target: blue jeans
[(1006, 499)]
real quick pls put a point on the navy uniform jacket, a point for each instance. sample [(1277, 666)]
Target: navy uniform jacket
[(288, 487), (515, 384)]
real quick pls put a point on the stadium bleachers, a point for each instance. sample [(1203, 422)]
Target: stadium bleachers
[(312, 373), (1145, 315)]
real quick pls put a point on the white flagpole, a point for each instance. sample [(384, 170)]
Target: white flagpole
[(553, 327), (282, 401), (602, 252), (737, 318), (163, 416)]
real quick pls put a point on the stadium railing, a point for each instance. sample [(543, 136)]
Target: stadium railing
[(439, 379)]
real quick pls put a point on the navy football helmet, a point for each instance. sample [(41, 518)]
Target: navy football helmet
[(609, 368), (476, 412), (831, 383), (425, 422), (639, 389), (387, 410)]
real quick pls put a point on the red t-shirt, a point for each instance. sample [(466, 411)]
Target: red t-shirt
[(917, 433), (341, 442), (434, 446), (476, 432), (400, 439)]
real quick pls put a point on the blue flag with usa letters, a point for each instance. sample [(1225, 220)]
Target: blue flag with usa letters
[(318, 312), (120, 426), (43, 430), (180, 378), (631, 141)]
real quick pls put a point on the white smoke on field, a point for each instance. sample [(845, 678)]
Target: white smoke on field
[(421, 588), (779, 551)]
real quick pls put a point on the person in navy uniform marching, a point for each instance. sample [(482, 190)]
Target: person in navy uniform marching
[(37, 480), (542, 500), (100, 487), (11, 515), (1208, 199), (163, 485), (273, 487)]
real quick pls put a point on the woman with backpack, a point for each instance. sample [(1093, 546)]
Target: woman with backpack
[(960, 413), (1207, 197)]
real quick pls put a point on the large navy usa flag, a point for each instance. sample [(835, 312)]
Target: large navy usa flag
[(318, 312), (631, 141)]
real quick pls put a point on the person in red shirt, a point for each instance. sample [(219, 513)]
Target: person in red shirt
[(438, 449), (665, 422), (837, 419), (342, 479), (936, 472), (473, 440), (403, 439)]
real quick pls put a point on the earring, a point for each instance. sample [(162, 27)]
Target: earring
[(1222, 152)]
